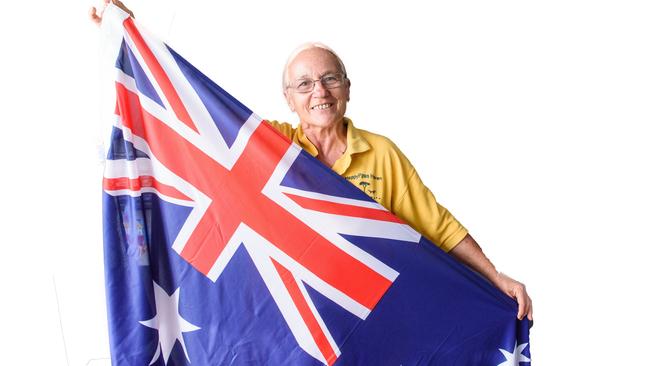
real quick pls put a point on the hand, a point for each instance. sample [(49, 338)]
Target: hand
[(96, 16), (469, 252), (517, 291)]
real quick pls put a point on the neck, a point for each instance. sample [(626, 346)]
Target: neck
[(330, 141)]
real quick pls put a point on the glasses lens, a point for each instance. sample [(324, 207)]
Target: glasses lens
[(304, 85), (332, 80)]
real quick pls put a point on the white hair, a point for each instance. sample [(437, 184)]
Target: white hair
[(304, 47)]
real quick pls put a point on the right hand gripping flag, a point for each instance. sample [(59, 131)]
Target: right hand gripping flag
[(226, 244)]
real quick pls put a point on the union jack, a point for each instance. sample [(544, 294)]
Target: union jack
[(233, 186)]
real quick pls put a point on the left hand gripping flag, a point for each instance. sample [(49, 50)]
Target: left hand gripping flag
[(227, 244)]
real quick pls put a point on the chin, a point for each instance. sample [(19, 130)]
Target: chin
[(326, 123), (330, 120)]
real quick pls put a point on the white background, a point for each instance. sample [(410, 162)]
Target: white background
[(528, 120)]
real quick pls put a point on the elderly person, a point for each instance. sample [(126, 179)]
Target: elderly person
[(317, 88)]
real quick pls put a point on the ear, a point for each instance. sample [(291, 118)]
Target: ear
[(287, 97), (349, 83)]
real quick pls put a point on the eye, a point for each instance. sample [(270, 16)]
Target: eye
[(303, 83), (330, 79)]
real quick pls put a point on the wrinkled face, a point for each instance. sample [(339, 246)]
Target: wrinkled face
[(321, 107)]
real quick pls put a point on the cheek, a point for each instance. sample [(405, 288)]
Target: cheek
[(343, 96), (290, 103), (343, 102), (297, 104)]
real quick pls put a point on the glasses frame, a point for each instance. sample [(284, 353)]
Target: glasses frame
[(343, 76)]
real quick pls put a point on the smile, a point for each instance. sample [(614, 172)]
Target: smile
[(322, 106)]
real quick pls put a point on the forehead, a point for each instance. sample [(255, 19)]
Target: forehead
[(313, 62)]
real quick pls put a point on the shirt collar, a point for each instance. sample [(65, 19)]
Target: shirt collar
[(355, 143)]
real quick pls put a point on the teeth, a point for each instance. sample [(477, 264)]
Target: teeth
[(322, 106)]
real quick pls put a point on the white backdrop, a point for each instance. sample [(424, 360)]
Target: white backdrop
[(527, 119)]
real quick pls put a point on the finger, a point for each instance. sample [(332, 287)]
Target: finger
[(524, 302), (528, 303), (522, 305), (530, 312), (96, 16), (93, 15)]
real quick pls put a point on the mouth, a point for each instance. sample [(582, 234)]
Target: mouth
[(322, 106)]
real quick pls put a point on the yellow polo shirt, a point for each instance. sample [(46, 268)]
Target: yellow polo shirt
[(375, 165)]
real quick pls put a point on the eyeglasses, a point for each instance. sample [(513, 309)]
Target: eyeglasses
[(328, 81)]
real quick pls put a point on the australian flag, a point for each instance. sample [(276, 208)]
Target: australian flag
[(226, 244)]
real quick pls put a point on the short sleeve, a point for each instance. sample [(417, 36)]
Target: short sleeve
[(418, 207), (284, 128)]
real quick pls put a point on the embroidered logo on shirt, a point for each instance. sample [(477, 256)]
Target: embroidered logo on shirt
[(365, 181)]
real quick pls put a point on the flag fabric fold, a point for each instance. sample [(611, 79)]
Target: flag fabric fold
[(225, 243)]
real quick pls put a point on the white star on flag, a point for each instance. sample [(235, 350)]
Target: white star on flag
[(168, 322), (514, 358)]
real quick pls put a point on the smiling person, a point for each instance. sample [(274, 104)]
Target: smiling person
[(316, 87)]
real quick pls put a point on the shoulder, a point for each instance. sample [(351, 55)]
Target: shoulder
[(376, 139), (383, 146), (283, 127)]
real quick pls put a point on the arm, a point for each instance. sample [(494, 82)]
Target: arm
[(469, 252)]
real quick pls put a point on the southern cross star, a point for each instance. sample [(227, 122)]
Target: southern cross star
[(168, 322), (514, 358)]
